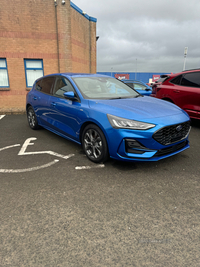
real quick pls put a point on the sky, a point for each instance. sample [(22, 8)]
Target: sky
[(145, 35)]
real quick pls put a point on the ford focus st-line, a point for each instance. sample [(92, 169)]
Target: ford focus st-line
[(107, 117)]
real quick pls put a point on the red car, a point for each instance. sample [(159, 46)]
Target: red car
[(182, 89)]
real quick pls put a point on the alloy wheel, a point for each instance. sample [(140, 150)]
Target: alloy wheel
[(93, 144)]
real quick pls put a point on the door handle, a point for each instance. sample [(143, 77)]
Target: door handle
[(53, 104), (176, 91), (34, 98)]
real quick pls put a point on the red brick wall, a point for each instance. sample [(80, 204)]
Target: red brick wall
[(28, 31), (93, 47), (83, 34)]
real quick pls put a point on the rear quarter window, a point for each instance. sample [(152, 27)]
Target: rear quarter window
[(191, 79), (176, 80), (38, 85)]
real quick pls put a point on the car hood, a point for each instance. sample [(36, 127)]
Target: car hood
[(145, 107)]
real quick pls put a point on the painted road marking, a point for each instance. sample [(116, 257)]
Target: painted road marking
[(88, 167), (30, 169), (9, 147), (22, 152), (1, 116), (28, 143)]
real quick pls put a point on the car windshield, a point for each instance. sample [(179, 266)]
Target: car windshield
[(139, 86), (104, 88), (162, 79)]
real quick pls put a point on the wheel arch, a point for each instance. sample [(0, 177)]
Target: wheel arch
[(104, 154), (27, 106), (91, 122), (168, 99)]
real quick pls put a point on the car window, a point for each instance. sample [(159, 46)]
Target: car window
[(45, 85), (62, 86), (39, 85), (138, 86), (161, 80), (191, 79), (130, 84), (176, 80)]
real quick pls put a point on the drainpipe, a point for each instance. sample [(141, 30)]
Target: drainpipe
[(90, 58), (55, 3)]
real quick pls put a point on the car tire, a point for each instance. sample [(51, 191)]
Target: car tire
[(94, 144), (32, 119)]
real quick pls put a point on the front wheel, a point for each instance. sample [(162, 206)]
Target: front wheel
[(94, 144), (32, 119)]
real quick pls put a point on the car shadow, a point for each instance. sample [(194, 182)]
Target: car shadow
[(195, 123)]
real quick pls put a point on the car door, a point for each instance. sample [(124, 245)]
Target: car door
[(66, 115), (187, 94), (41, 96)]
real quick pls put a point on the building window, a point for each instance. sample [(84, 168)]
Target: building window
[(33, 70), (3, 73)]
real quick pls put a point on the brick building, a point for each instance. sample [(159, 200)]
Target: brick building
[(39, 37)]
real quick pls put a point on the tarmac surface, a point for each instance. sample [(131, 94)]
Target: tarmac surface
[(59, 209)]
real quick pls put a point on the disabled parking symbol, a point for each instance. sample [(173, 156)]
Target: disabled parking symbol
[(23, 151)]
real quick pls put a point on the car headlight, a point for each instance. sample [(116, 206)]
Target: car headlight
[(118, 122)]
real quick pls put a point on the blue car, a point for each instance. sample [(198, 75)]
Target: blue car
[(139, 86), (107, 117)]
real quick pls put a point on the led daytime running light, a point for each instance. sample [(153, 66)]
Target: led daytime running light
[(118, 122)]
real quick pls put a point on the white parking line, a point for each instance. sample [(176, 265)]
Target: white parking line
[(9, 147), (1, 116), (88, 167), (30, 169)]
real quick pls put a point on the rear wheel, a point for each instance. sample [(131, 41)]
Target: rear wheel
[(94, 144), (32, 119)]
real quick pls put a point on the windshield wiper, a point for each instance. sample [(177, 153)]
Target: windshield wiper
[(115, 98), (124, 97)]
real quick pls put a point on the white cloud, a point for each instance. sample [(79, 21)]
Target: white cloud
[(153, 32)]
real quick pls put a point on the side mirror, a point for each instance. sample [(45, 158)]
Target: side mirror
[(70, 95)]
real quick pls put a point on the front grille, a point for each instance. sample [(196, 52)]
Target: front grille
[(171, 134), (171, 149)]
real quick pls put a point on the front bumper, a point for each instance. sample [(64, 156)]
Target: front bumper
[(135, 145), (146, 154)]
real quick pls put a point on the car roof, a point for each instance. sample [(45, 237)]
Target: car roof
[(179, 73), (71, 74)]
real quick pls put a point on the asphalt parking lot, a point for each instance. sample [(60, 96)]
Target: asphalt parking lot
[(59, 209)]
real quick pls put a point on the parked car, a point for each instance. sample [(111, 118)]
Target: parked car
[(118, 123), (182, 89), (159, 81), (140, 86)]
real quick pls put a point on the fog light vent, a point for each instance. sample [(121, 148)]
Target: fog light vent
[(133, 146)]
